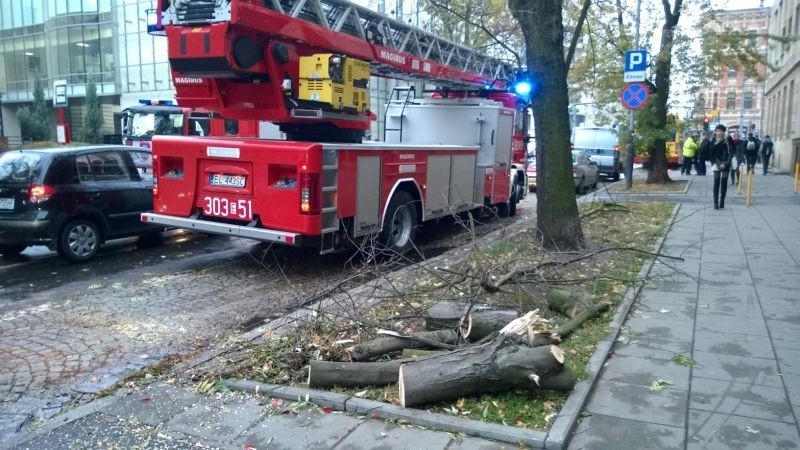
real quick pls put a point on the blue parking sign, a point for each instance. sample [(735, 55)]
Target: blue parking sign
[(635, 60)]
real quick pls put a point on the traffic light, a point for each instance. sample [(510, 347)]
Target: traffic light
[(706, 123)]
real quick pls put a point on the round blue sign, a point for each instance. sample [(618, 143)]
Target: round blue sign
[(635, 95)]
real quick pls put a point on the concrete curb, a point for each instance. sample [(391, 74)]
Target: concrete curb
[(559, 433), (380, 410)]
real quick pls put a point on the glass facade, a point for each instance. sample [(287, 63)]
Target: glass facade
[(75, 40), (54, 40)]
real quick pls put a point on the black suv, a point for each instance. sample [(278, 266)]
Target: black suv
[(73, 199)]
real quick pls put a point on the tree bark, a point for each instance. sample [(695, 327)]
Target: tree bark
[(579, 320), (557, 220), (496, 365), (482, 321), (347, 374), (564, 302), (388, 344), (658, 170)]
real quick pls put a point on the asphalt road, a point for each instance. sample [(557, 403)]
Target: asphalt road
[(68, 331)]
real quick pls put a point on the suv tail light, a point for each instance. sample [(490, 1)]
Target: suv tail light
[(40, 193)]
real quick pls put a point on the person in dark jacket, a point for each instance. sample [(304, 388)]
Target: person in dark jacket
[(703, 153), (766, 152), (738, 153), (721, 154), (751, 152)]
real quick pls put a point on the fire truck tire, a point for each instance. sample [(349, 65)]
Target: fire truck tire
[(79, 240), (400, 223), (509, 208)]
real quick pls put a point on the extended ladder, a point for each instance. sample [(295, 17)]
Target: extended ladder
[(394, 49)]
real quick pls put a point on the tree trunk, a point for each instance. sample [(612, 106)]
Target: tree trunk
[(496, 365), (564, 302), (347, 374), (482, 321), (557, 218), (658, 170), (388, 344)]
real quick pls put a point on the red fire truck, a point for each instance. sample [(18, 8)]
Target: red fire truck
[(305, 66)]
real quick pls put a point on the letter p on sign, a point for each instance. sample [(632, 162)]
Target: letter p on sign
[(635, 60)]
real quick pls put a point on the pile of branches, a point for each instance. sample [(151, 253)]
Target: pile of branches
[(475, 349)]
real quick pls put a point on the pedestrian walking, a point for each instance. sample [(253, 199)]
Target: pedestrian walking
[(766, 152), (703, 153), (689, 152), (722, 152), (738, 146), (751, 152)]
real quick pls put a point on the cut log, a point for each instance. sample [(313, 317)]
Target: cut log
[(565, 302), (347, 374), (495, 365), (446, 339), (567, 329), (483, 320)]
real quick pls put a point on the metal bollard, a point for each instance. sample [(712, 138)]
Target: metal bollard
[(796, 176), (749, 188)]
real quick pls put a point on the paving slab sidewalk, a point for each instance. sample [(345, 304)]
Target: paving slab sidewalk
[(709, 354)]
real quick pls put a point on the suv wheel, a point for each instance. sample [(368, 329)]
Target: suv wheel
[(11, 250), (79, 240)]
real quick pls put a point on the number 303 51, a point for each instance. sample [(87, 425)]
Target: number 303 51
[(233, 209)]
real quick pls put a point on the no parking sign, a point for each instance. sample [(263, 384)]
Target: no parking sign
[(635, 95)]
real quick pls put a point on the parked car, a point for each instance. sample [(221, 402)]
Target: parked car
[(73, 199), (602, 145), (584, 172)]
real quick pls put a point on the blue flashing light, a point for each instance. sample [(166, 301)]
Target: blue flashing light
[(150, 102), (523, 88)]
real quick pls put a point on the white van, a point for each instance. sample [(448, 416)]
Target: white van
[(602, 146)]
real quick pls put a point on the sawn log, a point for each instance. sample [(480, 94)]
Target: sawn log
[(495, 365), (387, 344), (482, 320)]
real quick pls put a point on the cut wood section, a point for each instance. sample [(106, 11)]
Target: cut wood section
[(565, 302), (366, 351), (588, 314), (482, 321), (496, 365), (348, 374)]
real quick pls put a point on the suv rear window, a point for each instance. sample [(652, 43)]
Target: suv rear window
[(20, 167)]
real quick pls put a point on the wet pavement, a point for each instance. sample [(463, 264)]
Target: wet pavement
[(704, 355)]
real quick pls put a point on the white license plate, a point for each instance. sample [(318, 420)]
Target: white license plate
[(6, 203), (229, 208), (217, 179)]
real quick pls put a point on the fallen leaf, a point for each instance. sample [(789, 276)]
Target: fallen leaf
[(327, 410), (658, 385), (750, 429), (461, 402), (361, 394), (664, 311)]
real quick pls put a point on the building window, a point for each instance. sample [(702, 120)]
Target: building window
[(714, 103), (731, 73), (731, 103), (752, 36), (748, 100)]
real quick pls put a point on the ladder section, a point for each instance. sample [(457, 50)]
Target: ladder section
[(397, 101), (329, 211), (394, 49)]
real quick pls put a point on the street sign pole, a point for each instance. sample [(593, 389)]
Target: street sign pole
[(631, 148)]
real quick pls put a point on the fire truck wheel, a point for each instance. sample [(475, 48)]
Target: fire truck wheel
[(509, 208), (79, 240), (400, 224)]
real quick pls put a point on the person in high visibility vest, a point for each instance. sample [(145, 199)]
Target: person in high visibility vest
[(689, 152)]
